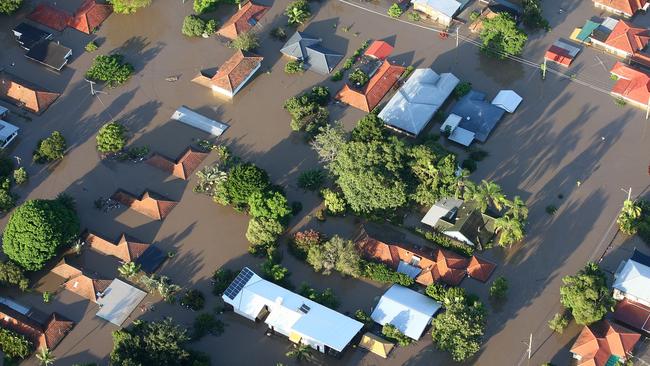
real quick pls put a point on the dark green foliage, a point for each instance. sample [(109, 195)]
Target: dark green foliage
[(499, 288), (462, 89), (211, 27), (246, 41), (35, 231), (6, 165), (9, 6), (206, 323), (128, 6), (320, 94), (110, 69), (7, 199), (587, 295), (193, 300), (533, 17), (14, 345), (311, 179), (392, 333), (501, 37), (294, 67), (444, 294), (193, 26), (160, 343), (279, 33), (326, 298), (364, 318), (358, 78), (307, 111), (221, 279), (469, 164), (51, 148), (349, 62), (434, 172), (382, 273), (303, 240), (243, 181), (275, 272), (111, 137), (12, 275), (337, 75), (459, 329), (369, 128)]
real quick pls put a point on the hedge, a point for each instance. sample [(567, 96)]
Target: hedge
[(382, 273)]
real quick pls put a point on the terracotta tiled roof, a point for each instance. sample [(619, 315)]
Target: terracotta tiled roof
[(631, 84), (90, 15), (598, 341), (126, 249), (627, 7), (50, 17), (183, 166), (628, 38), (149, 203), (375, 90), (44, 335), (25, 94), (243, 20), (236, 70), (379, 49), (79, 282), (480, 269)]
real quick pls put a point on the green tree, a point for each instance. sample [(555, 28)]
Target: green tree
[(243, 181), (263, 231), (193, 26), (110, 69), (335, 254), (435, 175), (334, 203), (501, 38), (211, 27), (21, 176), (246, 41), (272, 205), (533, 17), (328, 142), (394, 11), (35, 231), (509, 228), (129, 270), (307, 111), (485, 194), (129, 6), (91, 46), (13, 275), (459, 329), (7, 200), (369, 128), (300, 352), (294, 67), (204, 6), (517, 208), (558, 323), (628, 217), (358, 78), (499, 288), (275, 272), (111, 137), (51, 148), (391, 332), (14, 345), (298, 12), (45, 356), (586, 294), (10, 6)]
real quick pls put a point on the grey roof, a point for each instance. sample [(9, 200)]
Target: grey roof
[(49, 53), (28, 35), (478, 115), (308, 49), (118, 301), (6, 130)]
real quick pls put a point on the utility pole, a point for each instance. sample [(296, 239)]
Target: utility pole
[(647, 110), (629, 192), (530, 345), (543, 67), (457, 36)]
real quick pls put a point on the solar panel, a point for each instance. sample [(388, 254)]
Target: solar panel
[(238, 283)]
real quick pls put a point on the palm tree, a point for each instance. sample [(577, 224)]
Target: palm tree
[(461, 181), (485, 194), (301, 352), (45, 356), (129, 269), (510, 229), (630, 213), (517, 208), (296, 15)]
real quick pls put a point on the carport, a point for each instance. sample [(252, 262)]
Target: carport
[(118, 301)]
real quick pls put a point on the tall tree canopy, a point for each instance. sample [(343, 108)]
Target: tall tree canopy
[(459, 329), (586, 294), (501, 37), (9, 6)]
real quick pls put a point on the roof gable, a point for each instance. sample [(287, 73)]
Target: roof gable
[(236, 70), (25, 94), (90, 15), (598, 341), (627, 7), (149, 203), (375, 90), (243, 20), (628, 38), (183, 166)]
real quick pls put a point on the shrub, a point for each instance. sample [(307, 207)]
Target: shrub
[(586, 294), (204, 6), (311, 179), (334, 201), (358, 78), (129, 6), (263, 231), (205, 324), (275, 272), (110, 69), (211, 27), (320, 95), (337, 75), (13, 275), (193, 26), (364, 318), (551, 209), (558, 323), (302, 241), (306, 114), (620, 102), (111, 137), (272, 205), (51, 148), (446, 242), (279, 33), (335, 254), (246, 41), (469, 164), (221, 279), (6, 165), (326, 298), (193, 300), (243, 181), (499, 288), (91, 46), (21, 176), (533, 15), (7, 199), (382, 273), (298, 12), (394, 11), (474, 15), (14, 345), (294, 67), (10, 6), (462, 89), (414, 16), (161, 284), (392, 333)]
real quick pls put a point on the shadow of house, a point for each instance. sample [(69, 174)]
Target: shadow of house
[(149, 204), (183, 167)]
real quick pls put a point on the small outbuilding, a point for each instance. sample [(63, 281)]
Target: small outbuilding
[(8, 132), (562, 53), (376, 344), (196, 120), (118, 301), (409, 311), (441, 11), (507, 100)]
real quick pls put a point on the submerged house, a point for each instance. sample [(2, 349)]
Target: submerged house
[(472, 118), (604, 344), (25, 94), (462, 221), (632, 85), (232, 75), (618, 37), (308, 49), (44, 331), (244, 20), (626, 8), (149, 204), (81, 282), (440, 11)]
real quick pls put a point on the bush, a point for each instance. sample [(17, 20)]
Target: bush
[(501, 38), (246, 41), (111, 138), (335, 254), (298, 12), (193, 300), (394, 11), (337, 75), (221, 279), (10, 6), (325, 298), (462, 89), (14, 345), (382, 273), (211, 27), (193, 26), (320, 95), (263, 231), (306, 113), (364, 318), (446, 242), (414, 16), (7, 200), (533, 15), (499, 288), (279, 33), (243, 181), (349, 62), (205, 324), (51, 148), (110, 69), (392, 333), (21, 176), (302, 241), (311, 179), (358, 78), (275, 272), (294, 67), (204, 6), (272, 205), (91, 46), (334, 201), (35, 231), (128, 6), (12, 275), (558, 323), (469, 164)]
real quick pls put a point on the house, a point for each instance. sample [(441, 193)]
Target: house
[(604, 344), (408, 311), (301, 320), (632, 279), (307, 49), (633, 315), (44, 331), (412, 107), (125, 249), (90, 15), (118, 301), (49, 53), (27, 35), (25, 94), (626, 8), (182, 167), (232, 75), (243, 20), (425, 265), (379, 50), (472, 118), (149, 203), (461, 220), (619, 38), (199, 121), (441, 11), (8, 132), (632, 85), (49, 16), (80, 282), (562, 53)]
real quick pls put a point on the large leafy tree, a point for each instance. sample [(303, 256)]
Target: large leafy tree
[(263, 230), (243, 181), (460, 328), (9, 6), (485, 194), (246, 41), (435, 177), (586, 294), (111, 137), (128, 6), (501, 37), (36, 229), (628, 217), (335, 254), (369, 128), (111, 69), (273, 205), (51, 148)]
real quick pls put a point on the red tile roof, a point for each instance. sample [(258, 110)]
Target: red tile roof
[(235, 71), (126, 249), (183, 166), (90, 15), (480, 268), (50, 16), (148, 204), (243, 20), (79, 282), (633, 314), (375, 90), (598, 341), (559, 55), (627, 7), (47, 335), (379, 49), (631, 84), (25, 94), (628, 38)]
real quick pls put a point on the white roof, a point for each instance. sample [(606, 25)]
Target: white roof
[(118, 301), (634, 279), (413, 106), (407, 310), (446, 7), (319, 323), (507, 100), (440, 209), (189, 117), (458, 134), (571, 49)]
